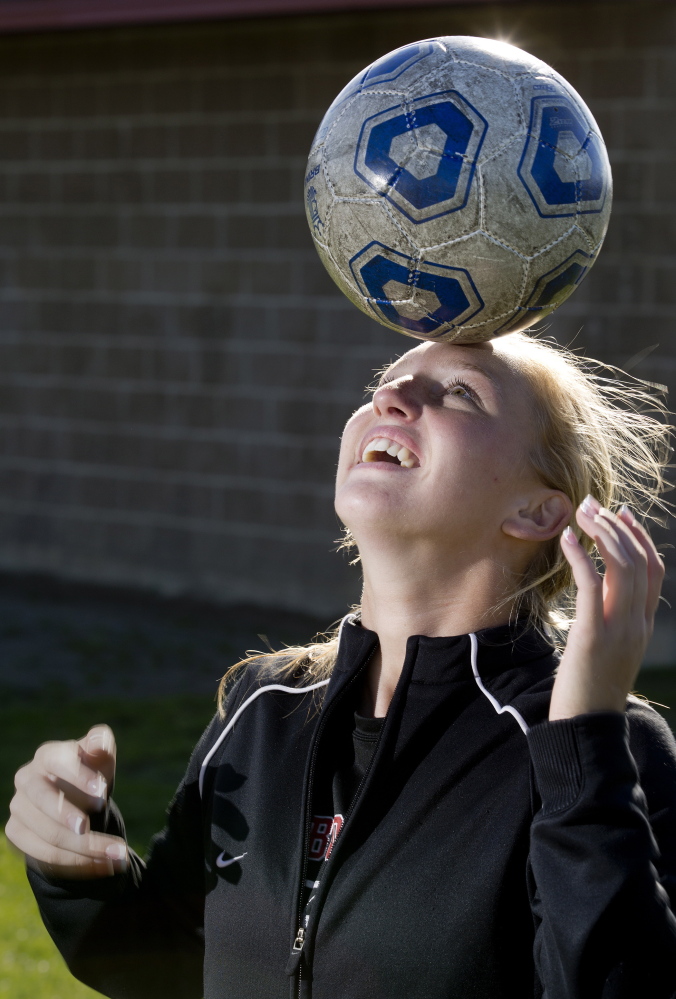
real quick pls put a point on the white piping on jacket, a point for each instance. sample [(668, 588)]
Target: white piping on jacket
[(500, 708), (251, 699), (242, 708)]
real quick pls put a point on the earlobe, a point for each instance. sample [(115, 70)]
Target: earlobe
[(542, 520)]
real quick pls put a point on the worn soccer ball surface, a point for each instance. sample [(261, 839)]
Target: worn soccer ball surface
[(458, 189)]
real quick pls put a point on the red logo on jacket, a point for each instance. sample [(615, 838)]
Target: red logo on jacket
[(323, 835)]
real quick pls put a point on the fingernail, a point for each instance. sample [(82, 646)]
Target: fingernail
[(99, 742), (589, 506), (626, 512), (116, 851), (569, 536), (97, 786), (76, 823)]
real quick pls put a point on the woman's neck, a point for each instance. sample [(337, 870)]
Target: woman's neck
[(430, 596)]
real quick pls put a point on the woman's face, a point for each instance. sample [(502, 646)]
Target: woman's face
[(464, 415)]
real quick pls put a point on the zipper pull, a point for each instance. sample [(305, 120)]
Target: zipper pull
[(300, 939)]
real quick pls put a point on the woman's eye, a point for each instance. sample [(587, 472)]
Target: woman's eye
[(461, 390)]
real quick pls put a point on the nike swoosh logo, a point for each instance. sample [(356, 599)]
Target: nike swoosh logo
[(222, 862)]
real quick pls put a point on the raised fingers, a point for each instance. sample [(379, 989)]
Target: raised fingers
[(589, 604), (655, 565), (626, 578)]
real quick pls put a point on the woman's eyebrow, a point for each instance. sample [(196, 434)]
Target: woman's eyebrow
[(468, 366), (389, 376)]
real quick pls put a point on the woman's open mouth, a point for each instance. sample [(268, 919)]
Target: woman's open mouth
[(384, 449)]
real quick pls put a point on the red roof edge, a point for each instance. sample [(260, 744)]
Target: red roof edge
[(60, 15)]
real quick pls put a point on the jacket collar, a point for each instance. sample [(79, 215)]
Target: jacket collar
[(438, 660)]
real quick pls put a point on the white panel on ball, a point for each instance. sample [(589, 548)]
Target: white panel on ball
[(457, 189)]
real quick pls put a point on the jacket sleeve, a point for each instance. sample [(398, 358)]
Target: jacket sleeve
[(603, 856), (139, 935)]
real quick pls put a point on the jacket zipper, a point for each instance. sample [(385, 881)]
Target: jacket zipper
[(300, 932), (300, 935)]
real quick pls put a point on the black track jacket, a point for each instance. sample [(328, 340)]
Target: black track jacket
[(489, 853)]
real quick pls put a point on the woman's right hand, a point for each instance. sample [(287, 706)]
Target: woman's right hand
[(55, 794)]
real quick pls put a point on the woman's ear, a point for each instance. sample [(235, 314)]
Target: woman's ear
[(543, 518)]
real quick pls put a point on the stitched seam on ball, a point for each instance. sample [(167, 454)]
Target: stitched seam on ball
[(586, 238), (397, 224), (489, 69), (554, 242), (329, 210), (348, 104), (480, 232), (344, 199), (482, 196), (505, 145)]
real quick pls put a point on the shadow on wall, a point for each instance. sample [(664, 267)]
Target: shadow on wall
[(71, 641)]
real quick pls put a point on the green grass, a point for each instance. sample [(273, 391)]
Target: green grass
[(155, 740), (30, 966)]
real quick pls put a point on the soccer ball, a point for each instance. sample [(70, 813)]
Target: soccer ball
[(458, 189)]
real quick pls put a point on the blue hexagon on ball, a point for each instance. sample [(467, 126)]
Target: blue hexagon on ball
[(422, 159)]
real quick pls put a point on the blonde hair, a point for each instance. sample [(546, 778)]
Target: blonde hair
[(597, 430)]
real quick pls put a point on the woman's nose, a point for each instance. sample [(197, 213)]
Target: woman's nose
[(398, 399)]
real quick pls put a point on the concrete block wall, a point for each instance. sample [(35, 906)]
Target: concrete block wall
[(175, 366)]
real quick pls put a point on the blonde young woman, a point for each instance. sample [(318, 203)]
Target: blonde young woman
[(431, 804)]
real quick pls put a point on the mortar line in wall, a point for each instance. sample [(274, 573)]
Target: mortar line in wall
[(140, 518), (592, 311), (133, 300), (218, 435), (238, 300), (56, 293), (162, 299), (190, 345), (169, 119), (251, 72), (188, 164), (81, 469), (185, 389), (217, 210), (168, 255)]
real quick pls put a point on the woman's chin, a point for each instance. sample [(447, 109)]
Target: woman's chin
[(368, 510)]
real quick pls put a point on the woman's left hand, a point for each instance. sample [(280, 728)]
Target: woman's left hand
[(615, 612)]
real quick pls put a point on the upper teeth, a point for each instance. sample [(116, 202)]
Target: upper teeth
[(403, 454)]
